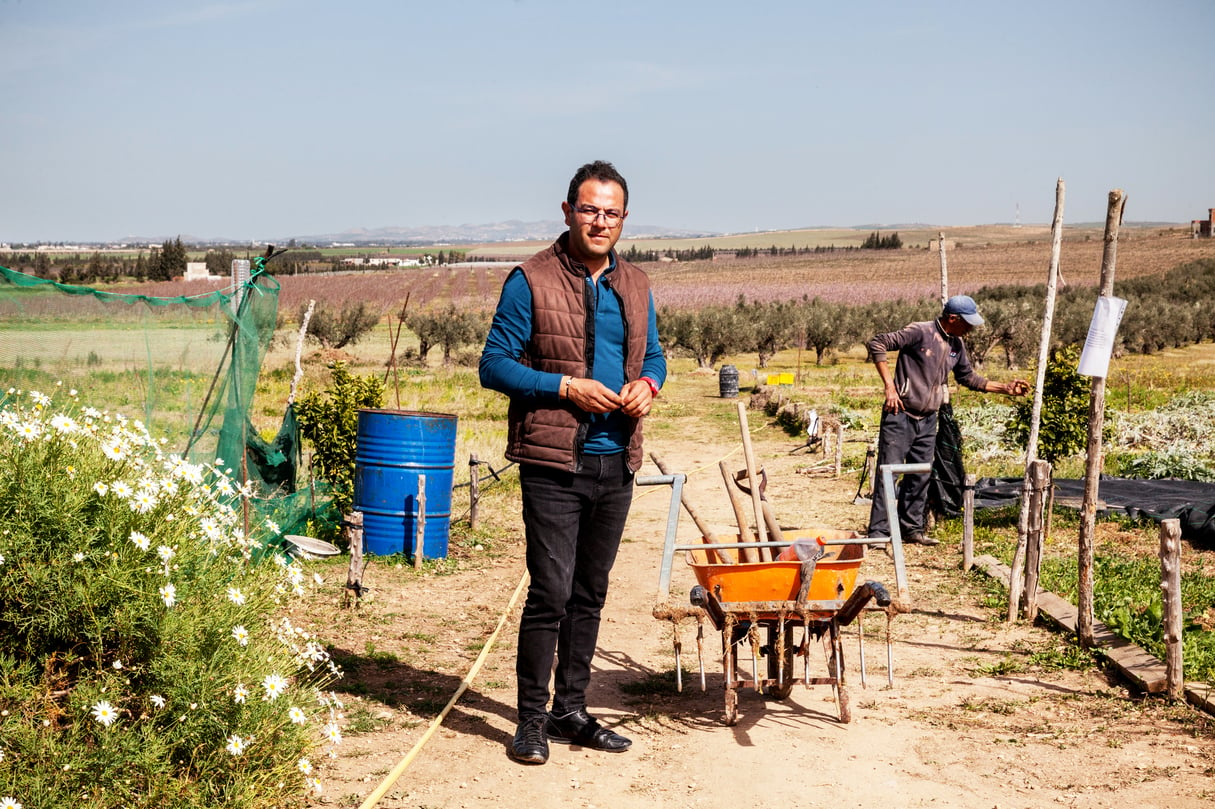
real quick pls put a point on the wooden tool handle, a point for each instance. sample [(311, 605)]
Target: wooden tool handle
[(723, 554), (753, 482), (740, 515)]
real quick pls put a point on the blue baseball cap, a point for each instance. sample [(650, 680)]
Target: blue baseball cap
[(964, 307)]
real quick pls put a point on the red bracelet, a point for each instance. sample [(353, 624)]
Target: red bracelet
[(653, 385)]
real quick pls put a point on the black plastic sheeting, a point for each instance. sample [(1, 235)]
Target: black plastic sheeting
[(1190, 502), (948, 472)]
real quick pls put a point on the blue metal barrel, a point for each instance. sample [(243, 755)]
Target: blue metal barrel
[(394, 449)]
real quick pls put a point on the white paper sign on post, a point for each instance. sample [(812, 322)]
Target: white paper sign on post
[(1095, 358)]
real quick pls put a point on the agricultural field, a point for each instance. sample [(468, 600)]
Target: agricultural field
[(961, 672)]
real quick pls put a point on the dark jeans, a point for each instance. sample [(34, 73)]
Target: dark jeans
[(573, 522), (903, 439)]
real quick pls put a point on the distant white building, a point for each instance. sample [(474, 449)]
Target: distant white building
[(197, 271), (372, 261)]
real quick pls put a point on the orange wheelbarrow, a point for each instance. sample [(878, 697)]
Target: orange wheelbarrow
[(775, 608)]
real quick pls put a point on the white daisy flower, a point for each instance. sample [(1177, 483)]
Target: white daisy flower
[(274, 685), (333, 733), (240, 694), (241, 634), (165, 553), (104, 713), (100, 488), (121, 489), (144, 501), (297, 716), (236, 745), (63, 424), (140, 540), (169, 594), (8, 802), (315, 783), (157, 700), (236, 596), (112, 450), (304, 766), (77, 557)]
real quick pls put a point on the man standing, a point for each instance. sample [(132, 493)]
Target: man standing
[(928, 351), (574, 344)]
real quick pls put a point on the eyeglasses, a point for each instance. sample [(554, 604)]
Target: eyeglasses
[(589, 213)]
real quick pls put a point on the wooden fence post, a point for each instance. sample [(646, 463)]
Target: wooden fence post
[(420, 523), (1094, 453), (1170, 587), (1031, 446), (1040, 478), (968, 523), (354, 573), (839, 449), (474, 491)]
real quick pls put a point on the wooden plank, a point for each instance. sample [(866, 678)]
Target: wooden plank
[(1143, 670)]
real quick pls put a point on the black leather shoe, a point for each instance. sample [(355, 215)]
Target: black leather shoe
[(920, 538), (530, 745), (580, 728)]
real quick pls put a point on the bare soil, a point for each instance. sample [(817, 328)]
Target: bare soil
[(970, 720)]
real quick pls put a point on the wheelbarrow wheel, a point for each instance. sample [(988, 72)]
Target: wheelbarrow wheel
[(783, 688)]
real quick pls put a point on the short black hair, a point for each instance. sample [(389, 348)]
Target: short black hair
[(600, 170)]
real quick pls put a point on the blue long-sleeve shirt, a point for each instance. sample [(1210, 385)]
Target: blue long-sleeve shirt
[(501, 370)]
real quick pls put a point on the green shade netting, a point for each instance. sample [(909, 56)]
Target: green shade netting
[(187, 366)]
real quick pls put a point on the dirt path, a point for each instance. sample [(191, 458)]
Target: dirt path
[(952, 732)]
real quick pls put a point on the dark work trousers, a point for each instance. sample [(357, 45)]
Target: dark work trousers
[(573, 523), (903, 439)]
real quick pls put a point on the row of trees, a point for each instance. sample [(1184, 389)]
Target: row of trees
[(163, 264), (876, 241), (449, 328), (707, 253), (1173, 310), (169, 261)]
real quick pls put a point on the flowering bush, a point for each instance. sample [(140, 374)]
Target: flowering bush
[(147, 654)]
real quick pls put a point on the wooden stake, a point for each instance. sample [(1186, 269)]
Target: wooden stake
[(1170, 588), (420, 523), (1094, 455), (299, 350), (753, 479), (944, 269), (1031, 447), (839, 449), (1040, 481), (968, 522), (354, 573), (474, 490)]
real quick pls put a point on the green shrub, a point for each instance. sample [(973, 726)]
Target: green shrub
[(146, 654), (330, 420)]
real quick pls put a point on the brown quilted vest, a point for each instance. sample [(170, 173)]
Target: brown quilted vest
[(550, 432)]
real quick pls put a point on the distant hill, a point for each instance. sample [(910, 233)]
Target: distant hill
[(644, 236), (511, 230)]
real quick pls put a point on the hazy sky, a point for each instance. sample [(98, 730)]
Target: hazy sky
[(263, 119)]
